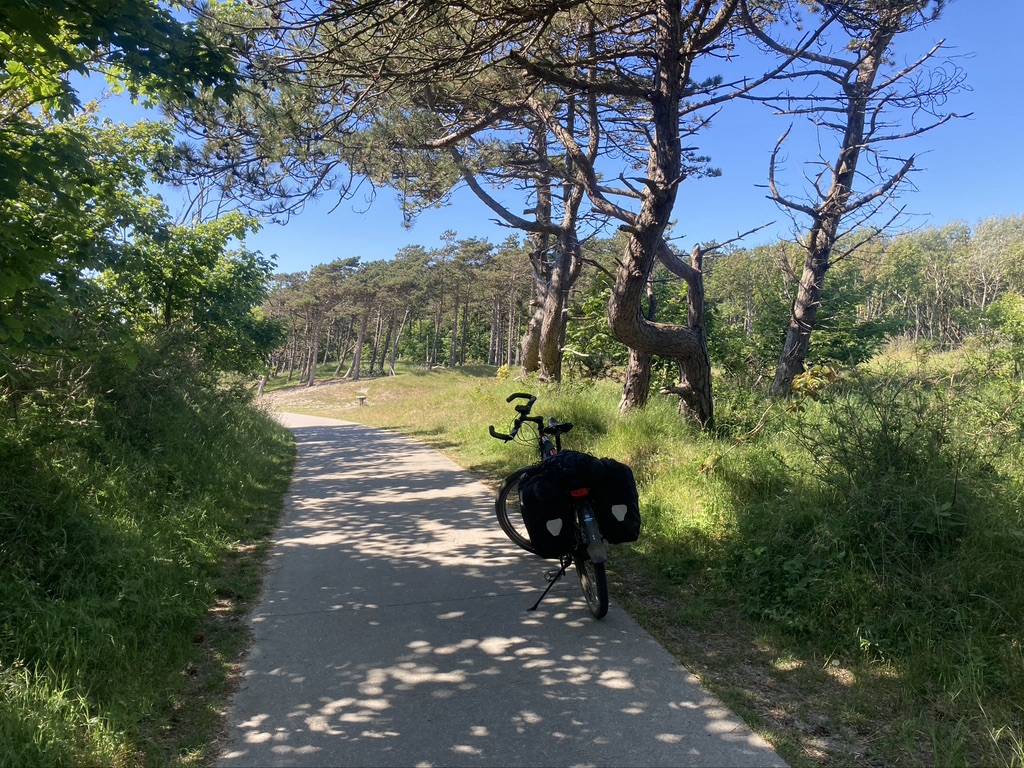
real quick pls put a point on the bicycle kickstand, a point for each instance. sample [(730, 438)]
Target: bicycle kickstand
[(565, 562)]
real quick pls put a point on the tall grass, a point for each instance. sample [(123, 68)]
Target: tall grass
[(886, 521), (113, 534), (879, 526)]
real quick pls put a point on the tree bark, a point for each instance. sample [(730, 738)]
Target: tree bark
[(804, 313), (292, 352), (438, 318), (453, 356), (637, 389), (314, 352), (377, 330), (394, 345), (827, 215), (561, 277), (465, 333), (343, 345), (509, 359), (386, 344), (529, 345), (494, 344), (688, 346), (549, 347)]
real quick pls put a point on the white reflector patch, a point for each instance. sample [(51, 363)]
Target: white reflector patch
[(554, 526), (619, 511)]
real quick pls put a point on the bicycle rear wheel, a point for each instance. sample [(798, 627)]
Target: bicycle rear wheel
[(508, 507), (594, 580)]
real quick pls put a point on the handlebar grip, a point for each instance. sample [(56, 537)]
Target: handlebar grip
[(523, 409), (495, 433)]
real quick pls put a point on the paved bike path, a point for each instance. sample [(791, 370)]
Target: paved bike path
[(393, 631)]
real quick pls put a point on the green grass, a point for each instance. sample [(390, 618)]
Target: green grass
[(121, 584), (846, 574)]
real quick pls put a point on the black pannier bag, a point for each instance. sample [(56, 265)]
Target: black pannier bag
[(616, 503), (547, 509), (573, 470), (547, 514)]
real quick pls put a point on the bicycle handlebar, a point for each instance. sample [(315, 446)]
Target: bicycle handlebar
[(553, 429), (523, 409), (499, 435)]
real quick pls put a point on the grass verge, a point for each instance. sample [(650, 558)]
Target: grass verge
[(129, 550)]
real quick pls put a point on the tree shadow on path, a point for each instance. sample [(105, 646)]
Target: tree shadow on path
[(394, 630)]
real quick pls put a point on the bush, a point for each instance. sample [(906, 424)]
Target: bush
[(888, 521), (112, 531)]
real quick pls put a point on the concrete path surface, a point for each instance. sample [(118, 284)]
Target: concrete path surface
[(393, 631)]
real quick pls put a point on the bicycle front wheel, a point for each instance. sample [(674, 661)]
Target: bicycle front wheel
[(508, 507), (594, 581)]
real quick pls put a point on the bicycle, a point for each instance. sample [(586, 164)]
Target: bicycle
[(588, 552)]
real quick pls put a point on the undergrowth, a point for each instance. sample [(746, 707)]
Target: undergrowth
[(885, 522), (113, 531)]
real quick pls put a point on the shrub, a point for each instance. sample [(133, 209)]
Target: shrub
[(112, 529), (887, 521)]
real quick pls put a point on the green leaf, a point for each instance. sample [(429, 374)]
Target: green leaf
[(15, 329)]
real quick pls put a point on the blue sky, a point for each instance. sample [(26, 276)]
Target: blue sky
[(972, 168)]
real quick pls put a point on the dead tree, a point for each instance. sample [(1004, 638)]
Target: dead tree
[(854, 92)]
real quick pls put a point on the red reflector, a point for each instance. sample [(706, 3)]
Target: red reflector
[(580, 493)]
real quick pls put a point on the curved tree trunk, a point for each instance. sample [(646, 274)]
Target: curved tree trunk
[(637, 389), (529, 345), (563, 274), (686, 345)]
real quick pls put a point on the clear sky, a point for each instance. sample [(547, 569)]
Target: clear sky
[(971, 168)]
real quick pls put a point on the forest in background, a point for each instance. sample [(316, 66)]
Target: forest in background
[(469, 302)]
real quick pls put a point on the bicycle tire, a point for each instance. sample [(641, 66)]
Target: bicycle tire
[(594, 581), (508, 508)]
